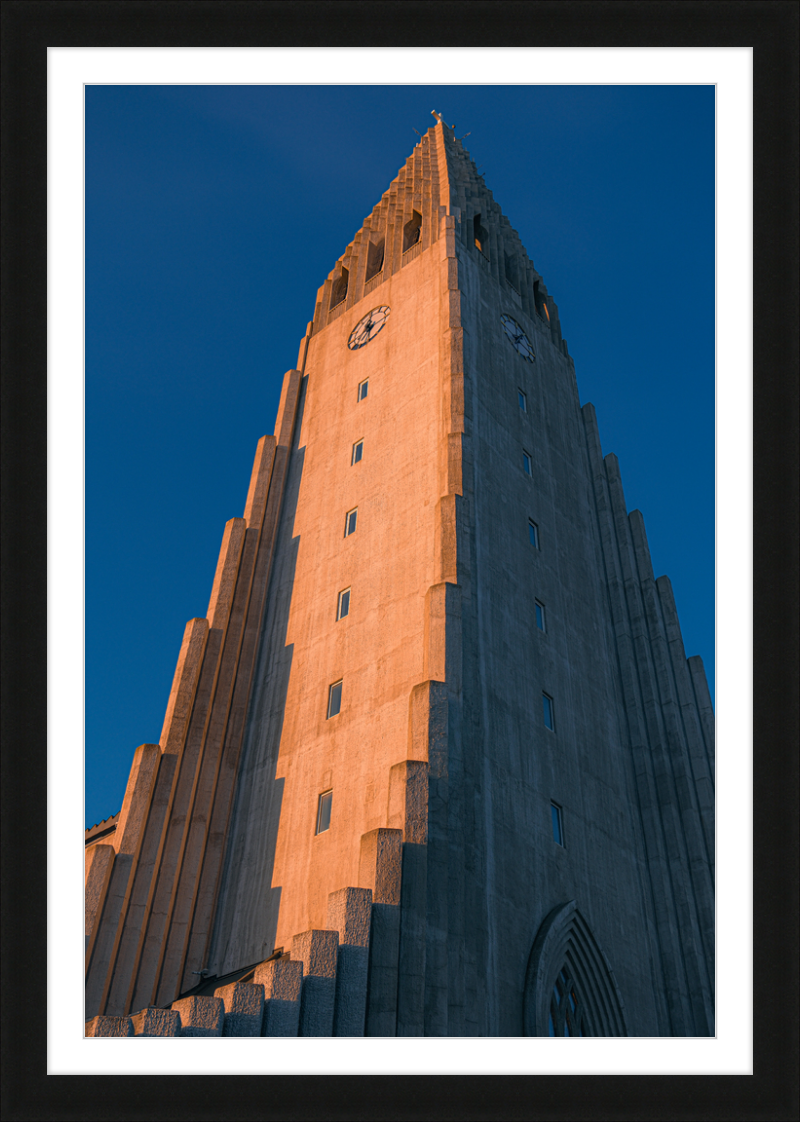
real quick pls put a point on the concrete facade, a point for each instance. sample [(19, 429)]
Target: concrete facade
[(493, 570)]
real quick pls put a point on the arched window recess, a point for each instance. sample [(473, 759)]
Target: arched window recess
[(569, 989)]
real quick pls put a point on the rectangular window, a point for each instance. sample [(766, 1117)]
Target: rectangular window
[(533, 534), (527, 463), (358, 452), (539, 615), (523, 401), (558, 830), (343, 607), (350, 522), (362, 389), (547, 707), (334, 699), (324, 812)]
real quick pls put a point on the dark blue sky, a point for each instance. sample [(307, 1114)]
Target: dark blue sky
[(213, 214)]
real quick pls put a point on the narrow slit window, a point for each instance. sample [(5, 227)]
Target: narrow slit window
[(523, 401), (547, 712), (324, 812), (558, 828), (350, 522), (358, 452), (533, 534), (527, 464), (334, 699), (539, 606), (343, 605), (362, 389)]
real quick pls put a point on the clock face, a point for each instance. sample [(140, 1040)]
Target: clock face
[(519, 340), (368, 327)]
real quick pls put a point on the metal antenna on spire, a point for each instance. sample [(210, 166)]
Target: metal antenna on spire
[(444, 123), (464, 137)]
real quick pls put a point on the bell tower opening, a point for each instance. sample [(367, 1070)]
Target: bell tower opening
[(412, 230), (511, 271), (375, 254), (480, 235), (339, 288)]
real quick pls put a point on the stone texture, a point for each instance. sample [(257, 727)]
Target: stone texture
[(127, 840), (109, 1026), (384, 950), (111, 980), (413, 931), (317, 950), (244, 1008), (220, 774), (350, 913), (200, 1016), (381, 864), (282, 980), (99, 862), (156, 1022)]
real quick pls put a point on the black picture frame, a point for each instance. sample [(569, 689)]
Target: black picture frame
[(771, 28)]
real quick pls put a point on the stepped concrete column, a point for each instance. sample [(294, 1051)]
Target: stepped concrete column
[(317, 951), (244, 1008), (282, 979), (200, 1016), (380, 869), (156, 1022), (350, 913), (109, 1026)]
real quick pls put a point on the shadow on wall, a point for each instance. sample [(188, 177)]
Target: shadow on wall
[(247, 917)]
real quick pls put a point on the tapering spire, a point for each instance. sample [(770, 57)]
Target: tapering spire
[(438, 178)]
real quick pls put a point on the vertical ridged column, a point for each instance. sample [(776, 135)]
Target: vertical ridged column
[(282, 980), (692, 977), (177, 877), (408, 812), (141, 989), (695, 861), (380, 870), (394, 230), (671, 999), (192, 934), (349, 913), (130, 928), (701, 765), (317, 951), (99, 861), (127, 843), (445, 746), (704, 707)]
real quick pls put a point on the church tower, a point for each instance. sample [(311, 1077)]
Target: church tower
[(435, 762)]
